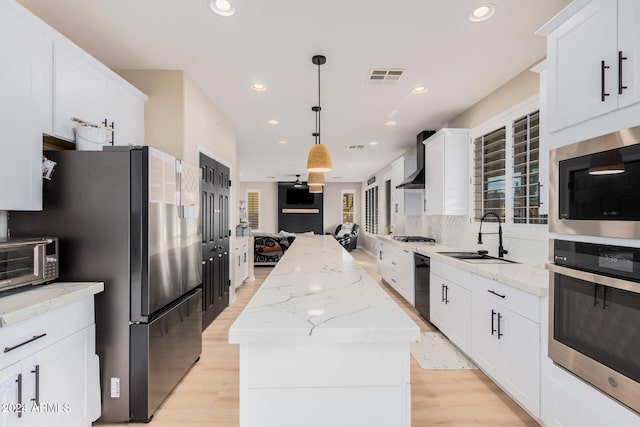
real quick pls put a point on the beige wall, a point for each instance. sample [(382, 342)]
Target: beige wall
[(332, 209), (164, 110), (523, 86), (268, 203)]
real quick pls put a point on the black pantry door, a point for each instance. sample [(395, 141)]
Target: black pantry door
[(215, 238)]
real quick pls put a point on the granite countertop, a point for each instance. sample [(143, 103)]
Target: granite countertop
[(27, 303), (318, 294), (528, 278)]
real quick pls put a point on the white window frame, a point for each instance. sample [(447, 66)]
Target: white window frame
[(355, 213), (246, 197), (505, 119), (364, 209)]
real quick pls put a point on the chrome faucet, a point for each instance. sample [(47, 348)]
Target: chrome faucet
[(501, 250)]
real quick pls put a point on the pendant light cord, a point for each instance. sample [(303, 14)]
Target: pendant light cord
[(319, 108)]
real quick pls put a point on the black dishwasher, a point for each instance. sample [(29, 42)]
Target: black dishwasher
[(422, 271)]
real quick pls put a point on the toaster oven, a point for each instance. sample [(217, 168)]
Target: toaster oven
[(27, 261)]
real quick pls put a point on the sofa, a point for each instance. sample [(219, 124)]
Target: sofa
[(269, 248)]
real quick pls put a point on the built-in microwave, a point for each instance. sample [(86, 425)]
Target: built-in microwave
[(594, 186), (594, 316), (28, 261)]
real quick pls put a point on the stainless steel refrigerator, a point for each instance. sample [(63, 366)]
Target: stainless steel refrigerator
[(129, 216)]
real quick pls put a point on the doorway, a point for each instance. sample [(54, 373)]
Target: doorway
[(215, 185)]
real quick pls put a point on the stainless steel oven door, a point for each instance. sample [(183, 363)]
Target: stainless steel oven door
[(594, 330), (604, 225)]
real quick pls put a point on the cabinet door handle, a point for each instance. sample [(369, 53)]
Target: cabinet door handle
[(35, 337), (493, 328), (620, 59), (499, 319), (244, 257), (393, 280), (392, 262), (495, 293), (238, 260), (36, 398), (19, 381), (446, 294), (603, 91), (443, 292)]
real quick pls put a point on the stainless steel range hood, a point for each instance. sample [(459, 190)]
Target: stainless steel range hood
[(415, 181)]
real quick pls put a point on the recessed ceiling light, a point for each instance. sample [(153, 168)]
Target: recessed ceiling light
[(222, 7), (373, 143), (419, 89), (282, 141), (390, 123), (482, 13), (258, 87), (273, 122)]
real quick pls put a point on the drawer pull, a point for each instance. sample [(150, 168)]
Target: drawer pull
[(495, 293), (35, 337)]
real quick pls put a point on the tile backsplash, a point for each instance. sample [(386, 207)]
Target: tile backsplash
[(530, 247)]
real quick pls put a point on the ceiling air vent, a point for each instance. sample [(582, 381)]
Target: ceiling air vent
[(385, 75), (355, 147)]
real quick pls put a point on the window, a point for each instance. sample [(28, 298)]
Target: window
[(253, 209), (490, 174), (348, 206), (526, 170), (371, 210)]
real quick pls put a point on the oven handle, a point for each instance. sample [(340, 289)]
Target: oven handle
[(24, 243), (598, 279)]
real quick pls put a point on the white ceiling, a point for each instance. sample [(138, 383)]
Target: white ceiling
[(272, 42)]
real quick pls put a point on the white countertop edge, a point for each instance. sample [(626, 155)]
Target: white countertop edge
[(40, 299), (528, 278), (326, 336)]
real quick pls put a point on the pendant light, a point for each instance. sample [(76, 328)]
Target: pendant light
[(606, 163), (315, 188), (315, 178), (319, 159)]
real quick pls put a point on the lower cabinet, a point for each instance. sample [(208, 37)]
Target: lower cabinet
[(450, 304), (506, 339), (241, 261), (396, 266), (55, 382)]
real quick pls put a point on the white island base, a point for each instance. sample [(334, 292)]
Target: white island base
[(321, 344), (325, 385)]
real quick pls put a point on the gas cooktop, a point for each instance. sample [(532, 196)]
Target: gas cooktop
[(414, 239)]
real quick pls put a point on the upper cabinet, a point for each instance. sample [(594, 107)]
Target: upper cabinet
[(25, 110), (45, 81), (86, 92), (592, 60), (446, 172)]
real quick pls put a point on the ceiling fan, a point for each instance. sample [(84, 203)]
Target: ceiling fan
[(297, 183)]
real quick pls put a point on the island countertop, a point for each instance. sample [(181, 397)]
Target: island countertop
[(317, 293)]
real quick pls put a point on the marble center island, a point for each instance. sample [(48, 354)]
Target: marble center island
[(322, 344)]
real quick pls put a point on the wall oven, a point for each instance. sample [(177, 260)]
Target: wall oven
[(594, 316), (29, 261), (594, 186)]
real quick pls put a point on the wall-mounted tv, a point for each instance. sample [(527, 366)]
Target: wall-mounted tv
[(299, 196)]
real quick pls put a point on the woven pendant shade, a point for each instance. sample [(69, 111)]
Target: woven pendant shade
[(315, 178), (319, 159), (315, 188)]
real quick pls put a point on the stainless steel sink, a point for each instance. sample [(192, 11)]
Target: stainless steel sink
[(477, 258)]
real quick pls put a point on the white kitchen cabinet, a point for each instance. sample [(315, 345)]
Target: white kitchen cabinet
[(50, 370), (125, 109), (79, 91), (591, 55), (241, 261), (506, 339), (84, 89), (450, 303), (446, 172), (25, 78), (396, 266)]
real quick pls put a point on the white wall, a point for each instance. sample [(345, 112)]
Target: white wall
[(268, 203), (332, 209)]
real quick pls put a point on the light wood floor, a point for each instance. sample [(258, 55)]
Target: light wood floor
[(208, 395)]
